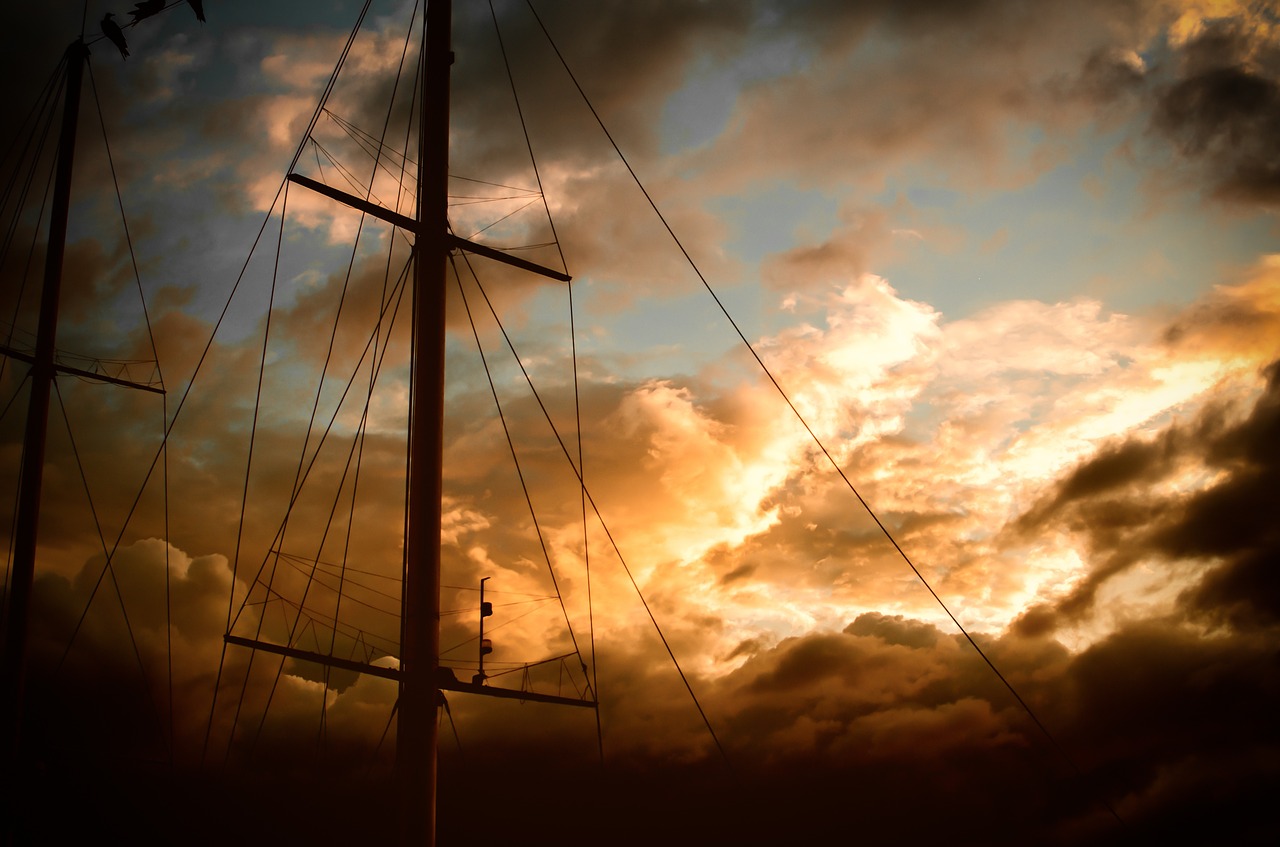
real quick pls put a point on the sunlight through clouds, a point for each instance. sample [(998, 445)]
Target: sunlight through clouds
[(1015, 264)]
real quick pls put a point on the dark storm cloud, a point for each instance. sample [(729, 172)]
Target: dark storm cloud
[(918, 740), (1232, 522), (835, 730), (1108, 75), (1113, 500), (894, 630), (891, 728), (1223, 112)]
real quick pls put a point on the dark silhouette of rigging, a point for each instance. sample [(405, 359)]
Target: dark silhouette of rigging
[(197, 6), (112, 31)]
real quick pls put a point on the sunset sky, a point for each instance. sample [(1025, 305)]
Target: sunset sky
[(1016, 264)]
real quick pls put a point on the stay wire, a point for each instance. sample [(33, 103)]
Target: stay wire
[(314, 616), (302, 463), (55, 87), (342, 58), (577, 405), (515, 458), (391, 307), (524, 127), (609, 535), (159, 374), (109, 552), (362, 428), (494, 628), (244, 501), (40, 119), (223, 314), (399, 291), (107, 569), (294, 561), (319, 579), (813, 436), (305, 467), (492, 224)]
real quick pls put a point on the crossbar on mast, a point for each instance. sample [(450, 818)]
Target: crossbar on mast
[(92, 376), (406, 222), (445, 678)]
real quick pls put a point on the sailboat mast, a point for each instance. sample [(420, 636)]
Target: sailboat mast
[(42, 372), (418, 717)]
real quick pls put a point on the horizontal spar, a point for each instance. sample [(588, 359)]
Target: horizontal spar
[(94, 376), (444, 680), (406, 222)]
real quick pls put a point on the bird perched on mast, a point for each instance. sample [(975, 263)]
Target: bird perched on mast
[(146, 9), (198, 7), (112, 31)]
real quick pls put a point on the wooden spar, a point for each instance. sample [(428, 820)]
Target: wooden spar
[(406, 222), (42, 371), (420, 677), (445, 679), (91, 376), (418, 715)]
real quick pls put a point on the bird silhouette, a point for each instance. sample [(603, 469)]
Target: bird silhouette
[(146, 9), (198, 7), (111, 30)]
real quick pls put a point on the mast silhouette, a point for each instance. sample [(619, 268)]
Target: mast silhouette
[(419, 677), (419, 707), (43, 368)]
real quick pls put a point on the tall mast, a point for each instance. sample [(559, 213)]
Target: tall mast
[(418, 722), (419, 675), (42, 372)]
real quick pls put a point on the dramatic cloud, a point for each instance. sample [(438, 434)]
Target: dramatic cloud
[(1013, 265), (1221, 110)]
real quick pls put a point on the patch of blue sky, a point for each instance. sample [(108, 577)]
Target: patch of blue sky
[(1092, 226), (655, 337), (680, 333), (700, 109), (775, 217)]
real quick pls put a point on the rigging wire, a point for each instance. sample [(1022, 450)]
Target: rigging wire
[(109, 552), (471, 609), (244, 502), (373, 372), (609, 535), (506, 623), (393, 306), (813, 436), (577, 406), (338, 590), (357, 445), (537, 527), (159, 375), (324, 564), (357, 634), (108, 569), (293, 561), (54, 91), (40, 119), (226, 308), (302, 460), (342, 58), (503, 218)]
